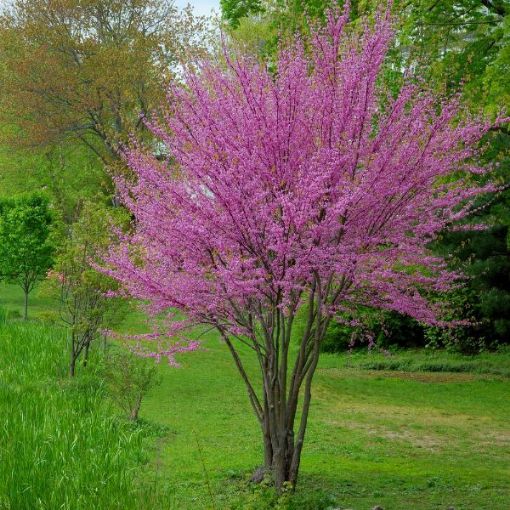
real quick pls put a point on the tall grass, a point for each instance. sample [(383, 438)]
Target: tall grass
[(61, 445)]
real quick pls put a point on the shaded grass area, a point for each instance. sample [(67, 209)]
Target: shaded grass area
[(61, 444), (396, 439), (423, 360)]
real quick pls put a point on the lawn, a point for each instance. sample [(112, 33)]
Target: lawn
[(401, 436), (40, 304), (396, 439)]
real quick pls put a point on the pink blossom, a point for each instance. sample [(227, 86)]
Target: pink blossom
[(295, 190), (297, 177)]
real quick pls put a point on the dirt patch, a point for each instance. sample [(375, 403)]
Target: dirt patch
[(425, 377), (428, 377), (501, 438), (425, 441)]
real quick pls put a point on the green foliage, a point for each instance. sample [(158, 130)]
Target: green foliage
[(84, 304), (430, 360), (62, 446), (338, 338), (254, 35), (67, 173), (234, 10), (26, 248), (485, 301), (246, 495), (129, 378), (373, 328)]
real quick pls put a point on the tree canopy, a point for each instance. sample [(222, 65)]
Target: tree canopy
[(303, 189), (86, 71), (26, 248)]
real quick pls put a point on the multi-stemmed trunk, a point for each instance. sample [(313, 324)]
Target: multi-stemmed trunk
[(283, 434), (286, 378)]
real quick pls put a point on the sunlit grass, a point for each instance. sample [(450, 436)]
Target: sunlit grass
[(61, 445), (397, 439)]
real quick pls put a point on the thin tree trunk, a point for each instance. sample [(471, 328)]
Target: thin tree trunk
[(72, 366), (72, 360), (268, 446), (136, 409), (86, 355), (25, 314)]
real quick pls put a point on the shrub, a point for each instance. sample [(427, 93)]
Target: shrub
[(128, 380), (380, 328)]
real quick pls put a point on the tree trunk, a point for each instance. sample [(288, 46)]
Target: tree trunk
[(73, 357), (283, 464), (86, 355), (25, 313), (136, 409), (72, 366), (268, 449), (279, 422), (285, 394)]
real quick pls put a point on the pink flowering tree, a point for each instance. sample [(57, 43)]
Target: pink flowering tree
[(301, 191)]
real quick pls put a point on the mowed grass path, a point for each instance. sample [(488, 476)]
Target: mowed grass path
[(395, 439)]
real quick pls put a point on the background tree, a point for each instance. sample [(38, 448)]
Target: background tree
[(85, 71), (84, 306), (299, 192), (26, 248)]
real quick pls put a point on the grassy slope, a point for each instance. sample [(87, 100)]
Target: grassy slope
[(396, 439), (62, 446)]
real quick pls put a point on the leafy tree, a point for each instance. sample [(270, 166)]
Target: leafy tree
[(85, 71), (68, 174), (298, 191), (467, 43), (84, 306), (485, 257), (26, 249), (234, 10)]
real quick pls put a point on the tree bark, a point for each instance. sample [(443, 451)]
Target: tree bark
[(282, 444), (73, 357), (72, 366), (135, 410), (286, 393), (25, 313), (86, 355)]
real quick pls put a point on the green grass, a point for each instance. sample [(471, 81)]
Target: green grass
[(412, 430), (40, 305), (398, 439), (61, 445)]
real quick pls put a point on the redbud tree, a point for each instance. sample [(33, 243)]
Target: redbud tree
[(300, 190)]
